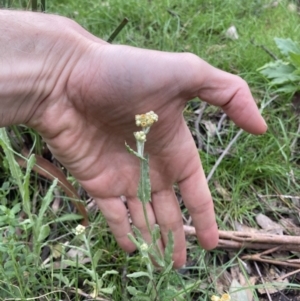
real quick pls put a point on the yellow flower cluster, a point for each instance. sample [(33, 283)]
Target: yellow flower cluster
[(224, 297), (146, 120)]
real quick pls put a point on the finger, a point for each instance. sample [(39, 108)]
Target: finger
[(231, 93), (198, 201), (116, 216), (168, 216), (138, 218)]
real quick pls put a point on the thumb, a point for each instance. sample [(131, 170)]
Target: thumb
[(232, 94)]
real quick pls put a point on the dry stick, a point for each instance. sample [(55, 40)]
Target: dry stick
[(262, 280), (223, 154), (288, 275), (201, 111), (221, 122), (256, 241), (117, 30), (231, 143)]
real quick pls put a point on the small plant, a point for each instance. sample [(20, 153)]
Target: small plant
[(159, 282), (284, 74)]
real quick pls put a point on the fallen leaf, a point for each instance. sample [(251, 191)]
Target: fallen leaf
[(222, 191), (211, 128), (237, 292), (243, 228), (268, 225), (231, 33)]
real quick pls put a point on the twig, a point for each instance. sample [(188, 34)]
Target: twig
[(117, 30), (197, 121), (211, 173), (262, 280), (271, 54), (233, 141), (288, 275), (257, 241), (221, 121)]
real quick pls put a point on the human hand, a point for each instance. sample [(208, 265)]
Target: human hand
[(89, 114)]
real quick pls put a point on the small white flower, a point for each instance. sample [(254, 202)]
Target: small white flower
[(79, 230), (140, 136), (144, 247)]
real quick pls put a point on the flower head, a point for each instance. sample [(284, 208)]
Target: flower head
[(79, 230), (225, 297), (144, 247), (140, 136), (146, 120)]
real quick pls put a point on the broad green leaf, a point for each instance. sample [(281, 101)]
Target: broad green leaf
[(279, 72), (288, 89), (144, 188), (286, 46), (138, 274), (295, 58), (16, 208), (44, 232), (131, 151), (169, 248)]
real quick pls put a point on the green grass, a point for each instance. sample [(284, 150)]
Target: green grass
[(255, 164)]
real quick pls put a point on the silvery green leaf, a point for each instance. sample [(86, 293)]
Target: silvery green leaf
[(66, 217), (107, 290), (169, 248), (138, 234), (44, 232), (136, 293), (286, 46), (97, 256), (156, 256), (111, 272), (26, 198), (138, 274), (133, 152), (144, 188), (132, 238), (155, 233)]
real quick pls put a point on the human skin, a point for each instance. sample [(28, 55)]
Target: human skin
[(82, 94)]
